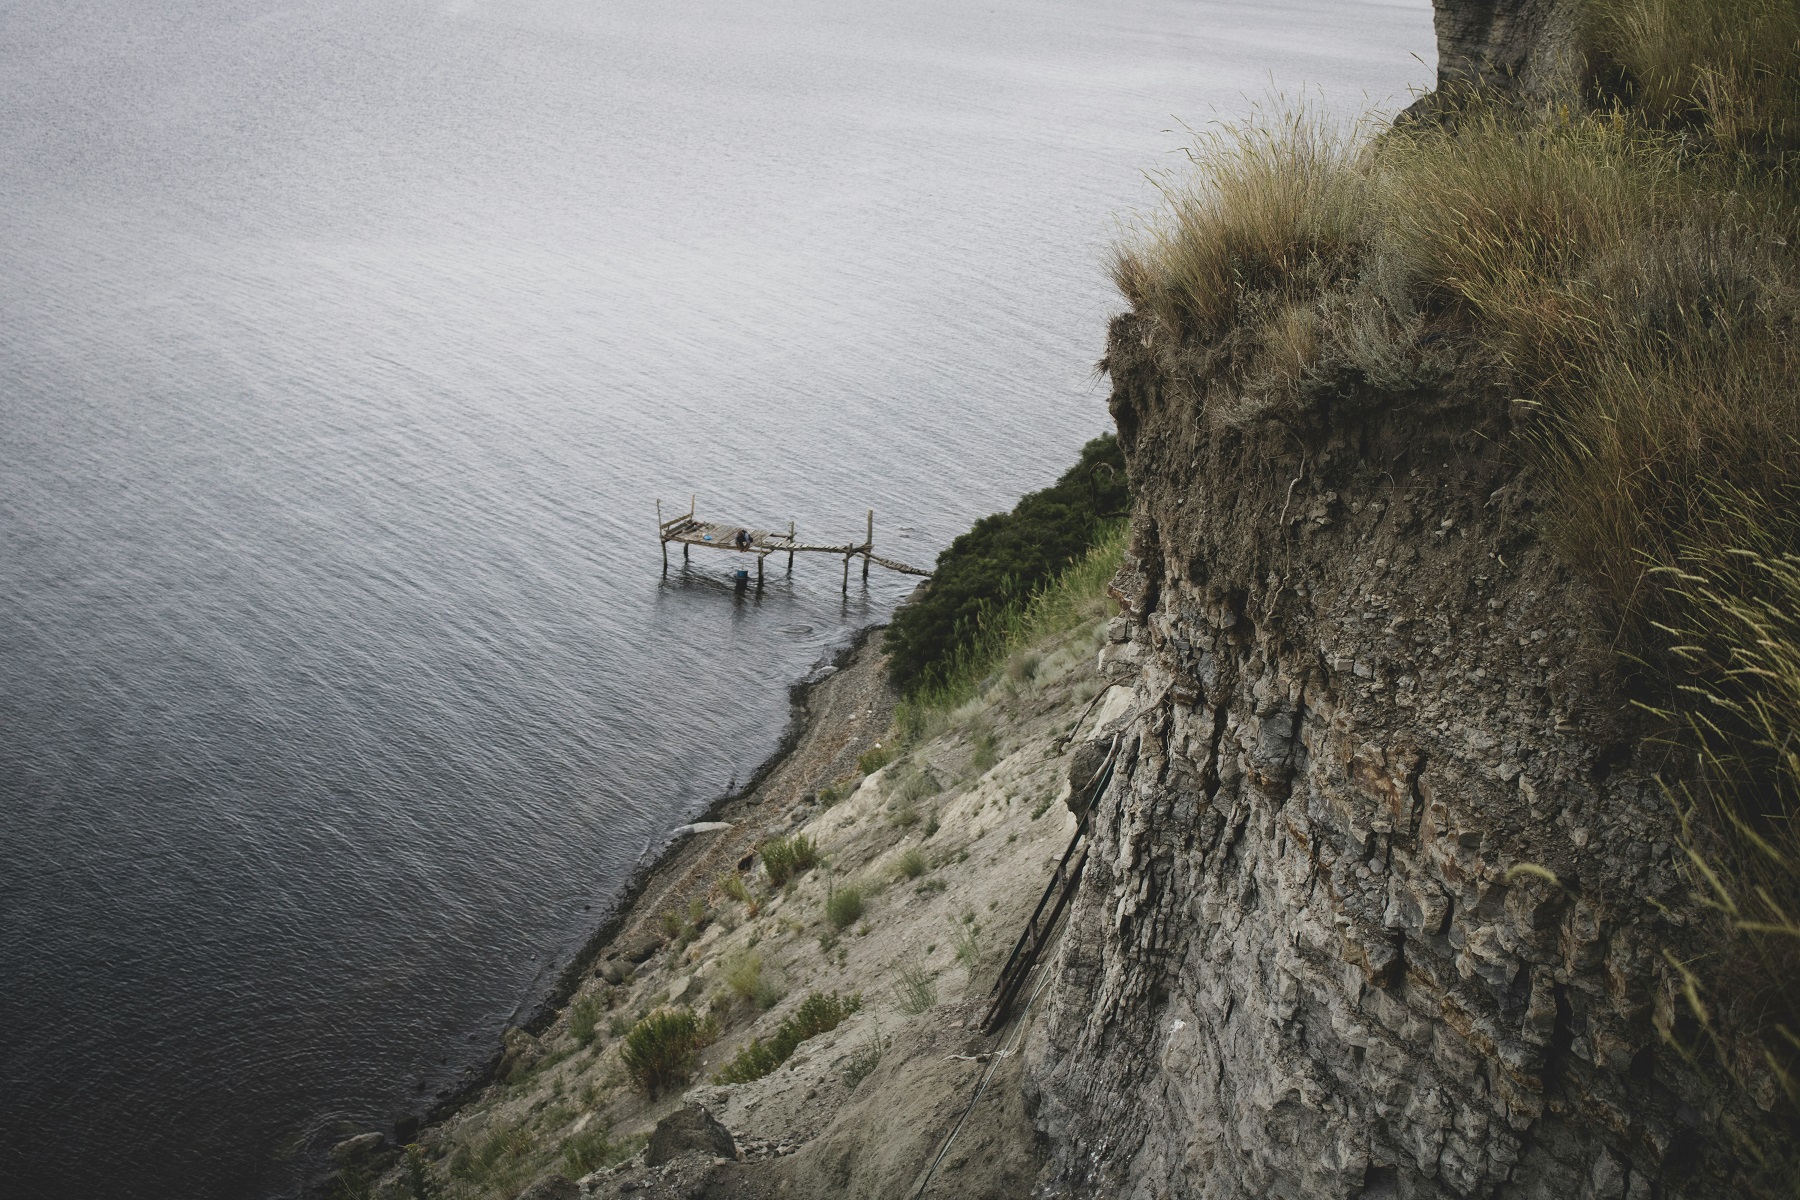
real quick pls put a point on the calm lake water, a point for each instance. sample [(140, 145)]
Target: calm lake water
[(344, 348)]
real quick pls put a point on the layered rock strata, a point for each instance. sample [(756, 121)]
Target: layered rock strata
[(1374, 902)]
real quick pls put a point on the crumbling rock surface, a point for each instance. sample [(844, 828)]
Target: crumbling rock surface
[(1524, 46), (1301, 963)]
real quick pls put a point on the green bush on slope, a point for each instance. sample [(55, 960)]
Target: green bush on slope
[(1004, 557), (818, 1013)]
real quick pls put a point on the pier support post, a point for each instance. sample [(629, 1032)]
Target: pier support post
[(661, 538), (759, 559), (846, 574), (790, 546), (869, 546)]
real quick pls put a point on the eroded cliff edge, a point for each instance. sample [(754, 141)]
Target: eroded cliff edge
[(1298, 965), (1384, 901)]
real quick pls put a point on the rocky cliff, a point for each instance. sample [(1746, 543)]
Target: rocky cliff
[(1523, 45), (1379, 899), (1302, 963)]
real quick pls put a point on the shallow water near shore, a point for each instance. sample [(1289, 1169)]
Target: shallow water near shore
[(344, 349)]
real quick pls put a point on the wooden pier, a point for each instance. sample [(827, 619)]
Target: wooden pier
[(688, 530)]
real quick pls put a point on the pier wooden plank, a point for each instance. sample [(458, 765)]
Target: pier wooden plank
[(689, 530)]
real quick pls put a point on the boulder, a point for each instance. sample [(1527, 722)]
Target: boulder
[(364, 1156), (358, 1150), (614, 972), (1084, 765), (639, 948), (690, 1128)]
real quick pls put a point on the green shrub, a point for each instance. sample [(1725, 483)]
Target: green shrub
[(843, 906), (419, 1183), (1002, 560), (786, 858), (986, 754), (743, 974), (662, 1049), (818, 1013), (910, 864), (732, 885), (584, 1017), (874, 758)]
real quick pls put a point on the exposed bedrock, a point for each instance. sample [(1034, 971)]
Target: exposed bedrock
[(1300, 964), (1527, 46)]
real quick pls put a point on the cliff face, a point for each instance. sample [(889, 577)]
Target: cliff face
[(1523, 45), (1299, 965)]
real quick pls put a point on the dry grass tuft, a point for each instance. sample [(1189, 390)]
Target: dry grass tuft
[(1725, 66), (1269, 207)]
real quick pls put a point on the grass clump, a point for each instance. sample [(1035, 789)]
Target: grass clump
[(911, 864), (865, 1058), (986, 753), (499, 1161), (843, 906), (1725, 67), (732, 885), (1271, 209), (661, 1050), (1000, 563), (1740, 838), (915, 990), (874, 758), (819, 1013), (966, 937), (588, 1151), (786, 858), (749, 983)]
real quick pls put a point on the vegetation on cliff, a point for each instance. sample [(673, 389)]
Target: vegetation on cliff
[(999, 563), (1627, 274)]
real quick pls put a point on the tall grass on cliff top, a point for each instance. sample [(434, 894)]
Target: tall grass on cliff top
[(1740, 639), (1003, 559), (1628, 274)]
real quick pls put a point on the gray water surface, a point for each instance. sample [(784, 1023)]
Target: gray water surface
[(344, 348)]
